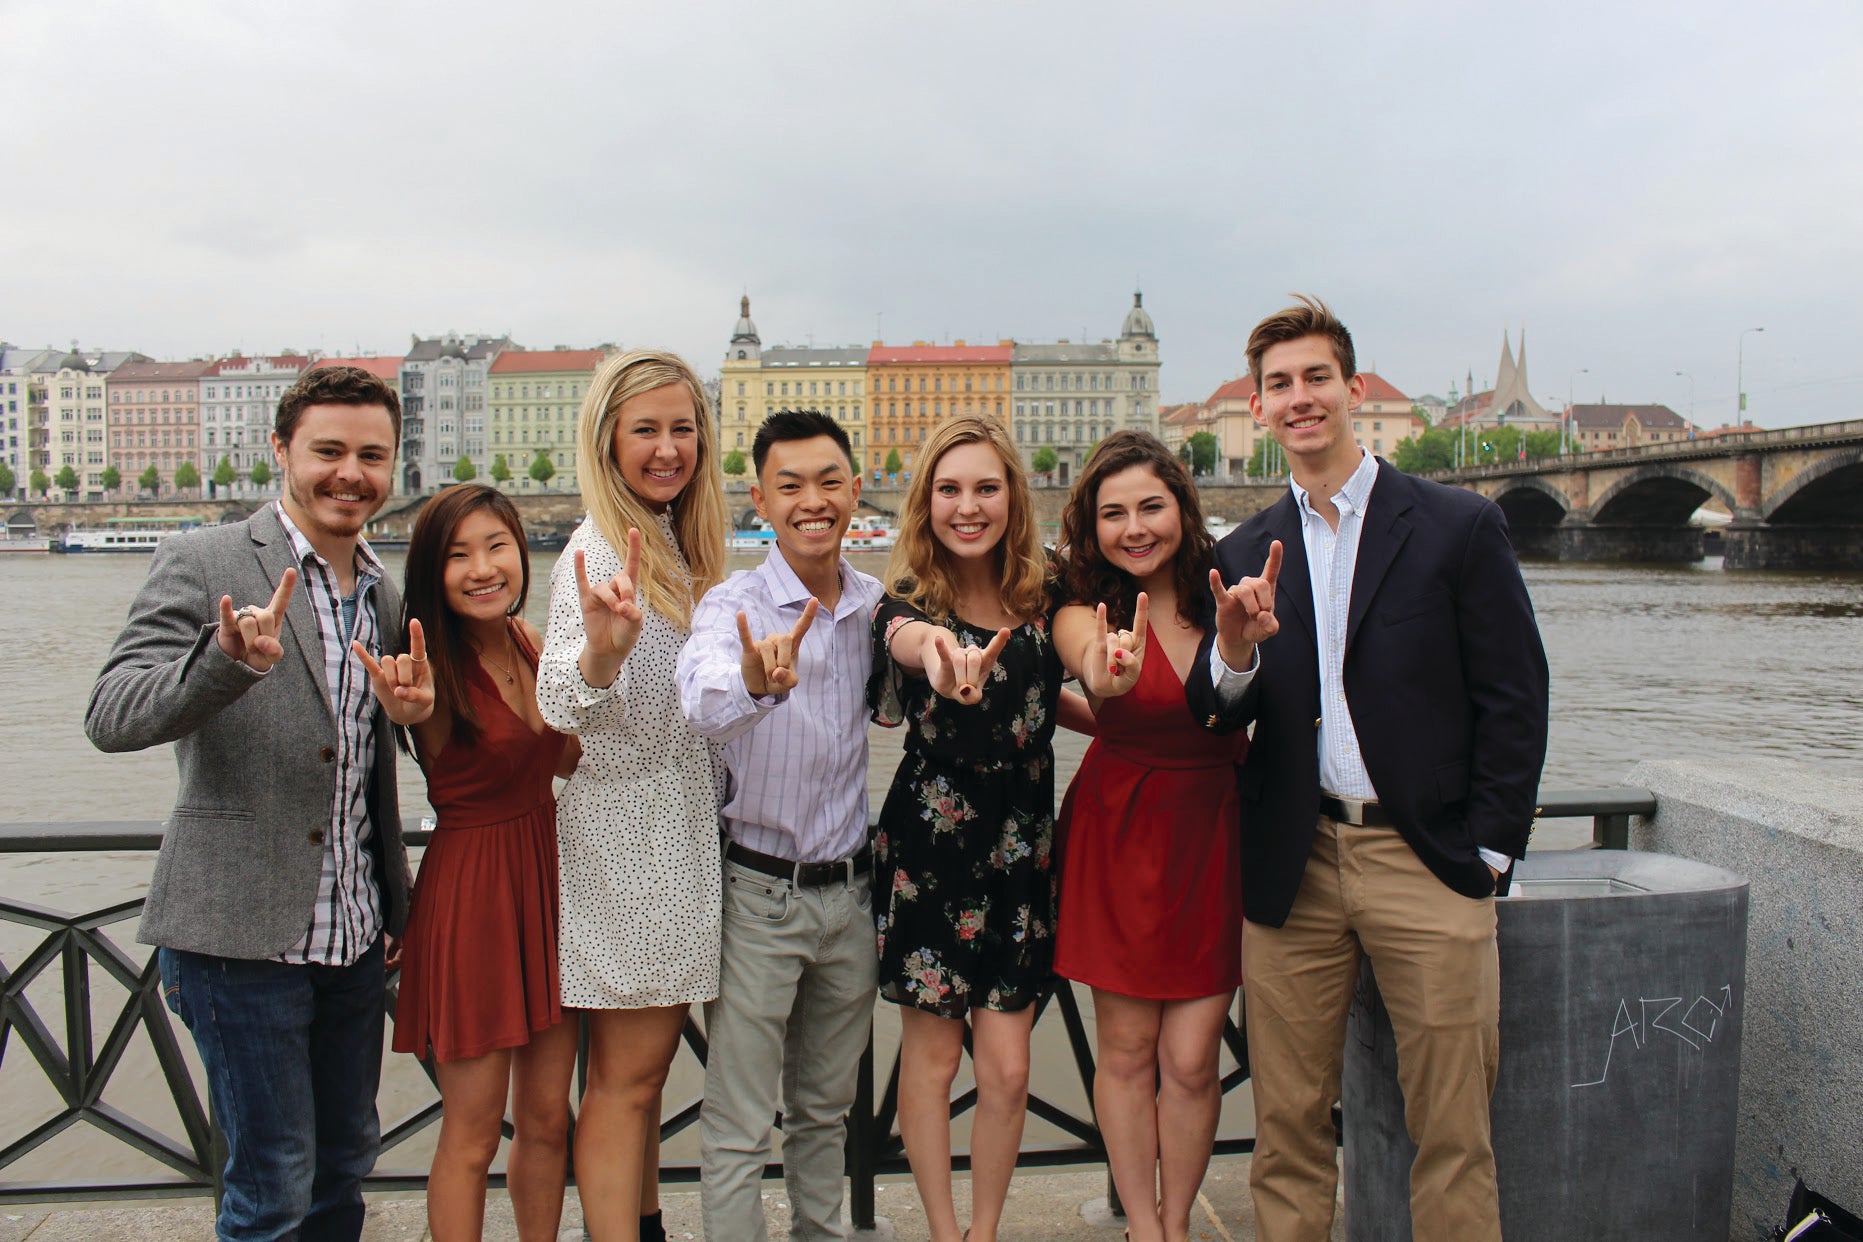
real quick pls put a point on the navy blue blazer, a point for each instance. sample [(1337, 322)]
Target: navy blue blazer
[(1444, 674)]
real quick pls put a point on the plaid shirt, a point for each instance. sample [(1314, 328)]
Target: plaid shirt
[(348, 915)]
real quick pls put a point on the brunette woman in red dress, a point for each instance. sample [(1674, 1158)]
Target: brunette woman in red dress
[(1151, 879), (478, 971)]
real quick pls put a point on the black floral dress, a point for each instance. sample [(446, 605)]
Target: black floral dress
[(962, 891)]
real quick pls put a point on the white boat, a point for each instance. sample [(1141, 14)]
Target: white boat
[(125, 534), (864, 534)]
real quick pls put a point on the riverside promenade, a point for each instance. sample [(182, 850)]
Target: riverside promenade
[(1061, 1207)]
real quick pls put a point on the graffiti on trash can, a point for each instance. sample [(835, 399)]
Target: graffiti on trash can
[(1695, 1025)]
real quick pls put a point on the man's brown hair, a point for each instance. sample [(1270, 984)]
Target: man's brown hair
[(335, 386), (1310, 317)]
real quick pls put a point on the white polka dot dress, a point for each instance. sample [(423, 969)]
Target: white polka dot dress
[(637, 825)]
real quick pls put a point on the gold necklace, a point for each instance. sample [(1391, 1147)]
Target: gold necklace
[(485, 658)]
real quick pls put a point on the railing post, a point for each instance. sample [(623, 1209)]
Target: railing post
[(1611, 831), (862, 1144)]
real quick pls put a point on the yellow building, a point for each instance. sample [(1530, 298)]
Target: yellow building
[(533, 397), (914, 387), (753, 381)]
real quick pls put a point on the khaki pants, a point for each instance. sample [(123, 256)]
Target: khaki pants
[(1366, 892), (795, 1005)]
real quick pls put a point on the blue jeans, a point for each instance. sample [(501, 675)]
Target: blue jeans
[(293, 1056)]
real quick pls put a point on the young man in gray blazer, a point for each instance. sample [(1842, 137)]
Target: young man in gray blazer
[(264, 651)]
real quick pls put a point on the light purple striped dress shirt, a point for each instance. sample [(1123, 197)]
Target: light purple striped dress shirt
[(798, 761)]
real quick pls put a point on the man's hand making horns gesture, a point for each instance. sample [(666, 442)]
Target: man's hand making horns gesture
[(1245, 612), (769, 663), (250, 634)]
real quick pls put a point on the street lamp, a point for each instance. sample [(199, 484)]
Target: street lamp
[(1565, 424), (1691, 402), (1740, 392)]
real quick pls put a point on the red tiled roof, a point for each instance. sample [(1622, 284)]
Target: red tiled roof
[(383, 367), (883, 355), (1377, 388), (527, 361), (1658, 417), (160, 371), (1188, 412), (1235, 390), (279, 362)]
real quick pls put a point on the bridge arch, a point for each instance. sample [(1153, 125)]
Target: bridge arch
[(1829, 493), (1660, 494), (1532, 501)]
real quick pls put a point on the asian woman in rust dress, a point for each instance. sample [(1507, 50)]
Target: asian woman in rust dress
[(479, 967)]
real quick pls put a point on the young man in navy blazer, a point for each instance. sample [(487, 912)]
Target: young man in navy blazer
[(1378, 633)]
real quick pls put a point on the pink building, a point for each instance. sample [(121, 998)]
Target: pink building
[(152, 415)]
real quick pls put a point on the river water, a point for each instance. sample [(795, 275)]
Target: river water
[(1647, 662)]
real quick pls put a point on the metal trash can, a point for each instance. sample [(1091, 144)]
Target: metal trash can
[(1622, 981)]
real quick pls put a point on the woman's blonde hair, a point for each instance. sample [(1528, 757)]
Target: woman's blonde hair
[(920, 570), (699, 509)]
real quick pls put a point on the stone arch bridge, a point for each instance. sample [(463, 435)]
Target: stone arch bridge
[(1795, 495)]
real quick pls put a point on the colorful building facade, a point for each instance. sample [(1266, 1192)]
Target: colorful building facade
[(912, 388), (532, 399), (153, 418)]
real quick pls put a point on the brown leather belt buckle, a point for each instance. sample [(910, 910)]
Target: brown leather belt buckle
[(1358, 812), (802, 874)]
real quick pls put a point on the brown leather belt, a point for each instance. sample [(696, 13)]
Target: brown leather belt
[(802, 874), (1355, 812)]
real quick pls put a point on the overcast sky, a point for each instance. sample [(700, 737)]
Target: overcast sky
[(1634, 183)]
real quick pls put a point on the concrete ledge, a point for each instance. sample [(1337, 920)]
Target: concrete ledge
[(1796, 833)]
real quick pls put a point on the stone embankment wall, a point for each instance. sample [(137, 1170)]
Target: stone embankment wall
[(1796, 833)]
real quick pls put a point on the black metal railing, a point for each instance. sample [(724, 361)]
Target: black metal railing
[(79, 1067)]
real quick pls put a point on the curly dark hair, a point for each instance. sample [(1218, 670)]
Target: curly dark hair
[(338, 385), (1089, 578)]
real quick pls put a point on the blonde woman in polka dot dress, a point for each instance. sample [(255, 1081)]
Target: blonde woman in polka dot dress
[(637, 826)]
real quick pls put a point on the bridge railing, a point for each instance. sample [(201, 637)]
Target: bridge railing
[(1723, 445), (65, 1048)]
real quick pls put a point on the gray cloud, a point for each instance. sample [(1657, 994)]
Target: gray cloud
[(1635, 184)]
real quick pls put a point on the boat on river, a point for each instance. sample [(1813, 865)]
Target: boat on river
[(126, 534), (865, 533)]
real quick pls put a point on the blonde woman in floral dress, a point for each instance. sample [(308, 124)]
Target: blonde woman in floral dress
[(963, 895)]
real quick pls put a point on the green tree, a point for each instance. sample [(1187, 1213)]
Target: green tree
[(111, 478), (893, 464), (261, 473), (733, 463), (1433, 450), (501, 469), (463, 470), (224, 474), (542, 468), (1267, 461), (39, 482), (67, 479), (186, 476), (1204, 450), (7, 480), (1044, 460), (1419, 412), (151, 481), (1542, 444)]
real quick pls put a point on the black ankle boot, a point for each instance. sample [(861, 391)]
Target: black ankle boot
[(651, 1230)]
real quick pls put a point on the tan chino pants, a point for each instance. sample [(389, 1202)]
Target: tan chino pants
[(1366, 892)]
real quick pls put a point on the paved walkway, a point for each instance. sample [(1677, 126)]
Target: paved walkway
[(1042, 1207)]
